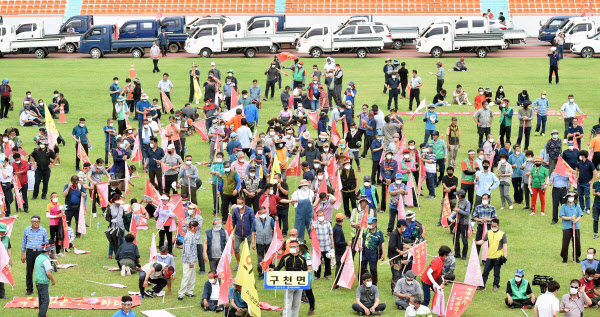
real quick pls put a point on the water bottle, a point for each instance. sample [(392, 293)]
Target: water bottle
[(98, 225), (90, 147), (93, 294), (186, 150)]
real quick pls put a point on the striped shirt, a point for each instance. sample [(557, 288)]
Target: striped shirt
[(190, 252), (33, 239), (324, 233), (484, 212)]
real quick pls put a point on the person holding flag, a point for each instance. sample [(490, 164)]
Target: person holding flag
[(571, 213), (80, 135), (373, 244), (433, 273), (388, 170), (5, 240), (242, 218), (396, 190)]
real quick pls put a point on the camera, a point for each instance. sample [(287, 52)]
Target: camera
[(542, 281)]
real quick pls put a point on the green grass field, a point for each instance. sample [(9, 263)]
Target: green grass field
[(533, 244)]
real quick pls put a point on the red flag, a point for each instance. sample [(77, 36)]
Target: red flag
[(314, 118), (166, 101), (81, 224), (446, 211), (136, 155), (5, 273), (17, 188), (273, 247), (158, 15), (345, 128), (347, 276), (323, 187), (408, 92), (315, 249), (65, 241), (581, 118), (563, 169), (234, 102), (330, 169), (9, 222), (81, 154), (419, 108), (178, 211), (337, 189), (103, 193), (229, 225), (284, 56), (200, 126), (225, 256), (419, 254), (294, 167), (152, 193), (335, 135), (226, 281), (459, 299), (164, 166), (133, 229)]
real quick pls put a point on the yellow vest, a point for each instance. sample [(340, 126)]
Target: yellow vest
[(494, 239)]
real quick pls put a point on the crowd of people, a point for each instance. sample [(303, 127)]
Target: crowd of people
[(251, 169)]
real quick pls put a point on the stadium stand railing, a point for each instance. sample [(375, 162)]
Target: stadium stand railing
[(383, 7)]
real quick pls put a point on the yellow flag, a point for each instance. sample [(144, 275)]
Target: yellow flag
[(197, 92), (49, 121), (245, 278), (276, 168)]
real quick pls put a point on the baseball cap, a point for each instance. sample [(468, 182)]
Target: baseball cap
[(372, 219), (339, 216), (520, 272)]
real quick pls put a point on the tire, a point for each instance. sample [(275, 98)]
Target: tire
[(506, 45), (482, 52), (205, 52), (361, 53), (137, 53), (274, 49), (40, 53), (316, 52), (250, 53), (173, 48), (587, 52), (437, 52), (70, 48), (95, 53), (398, 44)]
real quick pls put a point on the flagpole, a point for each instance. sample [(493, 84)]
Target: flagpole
[(340, 270), (416, 195)]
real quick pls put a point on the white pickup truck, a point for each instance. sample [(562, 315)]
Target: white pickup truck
[(578, 29), (359, 39), (201, 21), (481, 25), (209, 39), (35, 30), (10, 43), (399, 35), (586, 48), (262, 27), (441, 37)]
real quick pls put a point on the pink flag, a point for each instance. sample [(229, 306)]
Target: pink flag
[(9, 221), (127, 179), (473, 275), (136, 155), (438, 307), (314, 118), (420, 107), (315, 250), (51, 139), (228, 115), (225, 256), (484, 247), (17, 188), (3, 200), (337, 188), (103, 193), (401, 212), (81, 224), (234, 101), (335, 135), (273, 247), (5, 273), (153, 253), (408, 198), (347, 275), (422, 178), (158, 15), (200, 126)]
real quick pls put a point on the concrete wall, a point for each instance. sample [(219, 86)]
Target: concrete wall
[(529, 23)]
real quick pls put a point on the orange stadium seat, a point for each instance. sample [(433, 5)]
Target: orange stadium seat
[(33, 7), (551, 7)]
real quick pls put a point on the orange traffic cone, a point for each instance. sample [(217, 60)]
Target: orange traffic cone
[(132, 71), (61, 116)]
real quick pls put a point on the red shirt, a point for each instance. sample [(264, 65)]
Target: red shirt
[(273, 201), (437, 265), (589, 287), (21, 167)]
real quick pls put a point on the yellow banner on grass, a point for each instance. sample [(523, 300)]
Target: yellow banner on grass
[(245, 278)]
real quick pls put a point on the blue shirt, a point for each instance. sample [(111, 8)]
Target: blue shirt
[(75, 194), (349, 96), (570, 109), (393, 83), (216, 167), (559, 181), (427, 117), (231, 146), (504, 151), (255, 92), (567, 210), (486, 183), (368, 194), (153, 155), (518, 161), (80, 133), (586, 171), (553, 59), (237, 298), (120, 313), (141, 106), (251, 113), (33, 239), (585, 264), (376, 155), (373, 124), (571, 157), (114, 87), (541, 105)]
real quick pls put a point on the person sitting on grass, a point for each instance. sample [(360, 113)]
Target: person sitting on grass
[(128, 256), (416, 308), (518, 292), (406, 289), (367, 298), (237, 306), (210, 295), (126, 305), (588, 281)]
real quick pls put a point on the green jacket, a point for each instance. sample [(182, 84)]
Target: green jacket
[(40, 273), (508, 117), (518, 292), (373, 194)]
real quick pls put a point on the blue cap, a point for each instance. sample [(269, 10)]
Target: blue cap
[(520, 272), (233, 134), (379, 132), (399, 175), (372, 219), (401, 222)]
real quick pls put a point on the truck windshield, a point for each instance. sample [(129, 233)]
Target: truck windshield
[(203, 32), (425, 31), (93, 32)]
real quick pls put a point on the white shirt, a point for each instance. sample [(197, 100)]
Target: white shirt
[(547, 303), (329, 67), (8, 170), (154, 126), (165, 85), (411, 312), (216, 288), (301, 194)]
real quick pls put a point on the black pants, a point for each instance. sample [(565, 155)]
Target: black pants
[(403, 90), (414, 94), (393, 218), (518, 190), (324, 261), (367, 145), (215, 198), (253, 202), (8, 197), (85, 148), (384, 192), (270, 86), (164, 49), (519, 303), (226, 200), (348, 198), (441, 167), (169, 179), (481, 131), (504, 132), (558, 200), (159, 283), (53, 233), (311, 298), (161, 239), (30, 257), (487, 268), (440, 84), (470, 190), (261, 250), (191, 99), (553, 69), (5, 105), (357, 308), (375, 172), (461, 234), (393, 95), (41, 176), (566, 241), (73, 212), (155, 69), (200, 253), (156, 179)]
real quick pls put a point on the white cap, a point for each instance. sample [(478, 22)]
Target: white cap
[(170, 146), (212, 64), (164, 197), (553, 48)]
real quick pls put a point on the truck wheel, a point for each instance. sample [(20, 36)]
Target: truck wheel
[(173, 48), (361, 53), (70, 48), (316, 52), (40, 53), (398, 44), (437, 52), (506, 45), (482, 52), (137, 53), (250, 53), (587, 52), (95, 53), (274, 49), (205, 52)]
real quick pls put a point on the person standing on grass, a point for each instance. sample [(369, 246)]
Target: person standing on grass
[(166, 86), (34, 237), (497, 254), (541, 107), (433, 273), (194, 76), (525, 115), (262, 236), (569, 110), (415, 89), (292, 261), (485, 182), (80, 135), (115, 92), (505, 173), (453, 137), (189, 175), (430, 118), (165, 221), (155, 54), (506, 114), (189, 257), (325, 238), (596, 206), (586, 174), (393, 85), (215, 238), (570, 213), (43, 277), (554, 59), (74, 192), (193, 214), (516, 160), (538, 182), (42, 159), (483, 118), (440, 74), (373, 244)]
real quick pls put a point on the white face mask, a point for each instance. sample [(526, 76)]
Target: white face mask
[(571, 147), (543, 96), (495, 229), (480, 157), (5, 139), (398, 181), (388, 156), (571, 100), (188, 163), (219, 160), (367, 184), (393, 77), (481, 92), (517, 153), (378, 139), (347, 167), (42, 146), (217, 227), (259, 152), (573, 291), (492, 140), (227, 170), (275, 181), (151, 145), (369, 227), (485, 202), (502, 161), (28, 96), (244, 96), (501, 89), (571, 199), (230, 74), (590, 256), (317, 166), (406, 156), (110, 125), (18, 162), (321, 219), (56, 96), (425, 150), (412, 147), (211, 280), (320, 177), (271, 133), (292, 250), (41, 104), (55, 200), (263, 216), (82, 125), (529, 159), (369, 284), (518, 279)]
